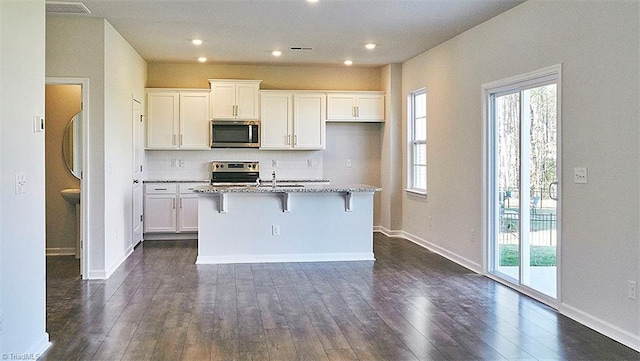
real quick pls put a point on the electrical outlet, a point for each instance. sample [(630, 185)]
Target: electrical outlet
[(309, 163), (430, 221), (181, 163), (21, 183), (275, 230), (473, 235), (274, 163), (173, 163), (631, 290), (348, 163)]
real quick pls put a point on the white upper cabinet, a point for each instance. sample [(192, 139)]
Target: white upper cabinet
[(355, 106), (234, 99), (177, 119), (292, 120)]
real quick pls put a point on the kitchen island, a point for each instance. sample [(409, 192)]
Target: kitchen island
[(287, 223)]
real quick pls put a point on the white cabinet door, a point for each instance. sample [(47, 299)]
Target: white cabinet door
[(223, 100), (355, 106), (370, 107), (237, 99), (162, 120), (309, 120), (188, 213), (194, 120), (247, 100), (160, 212), (341, 106), (275, 119)]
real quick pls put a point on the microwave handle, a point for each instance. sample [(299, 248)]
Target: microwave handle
[(250, 133)]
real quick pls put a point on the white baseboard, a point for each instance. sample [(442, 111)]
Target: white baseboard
[(62, 251), (34, 352), (624, 337), (117, 264), (279, 258), (473, 266)]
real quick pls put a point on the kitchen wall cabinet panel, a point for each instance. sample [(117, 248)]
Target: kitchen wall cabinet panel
[(171, 208), (234, 99), (177, 119), (355, 106), (292, 120)]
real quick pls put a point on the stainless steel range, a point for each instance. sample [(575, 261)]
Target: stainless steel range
[(234, 173)]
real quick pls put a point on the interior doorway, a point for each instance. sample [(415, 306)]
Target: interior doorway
[(66, 169), (522, 174)]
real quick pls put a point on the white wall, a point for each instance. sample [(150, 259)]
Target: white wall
[(125, 76), (597, 44), (75, 48), (22, 228), (86, 47)]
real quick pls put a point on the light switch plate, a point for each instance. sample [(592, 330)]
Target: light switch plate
[(580, 175), (21, 183)]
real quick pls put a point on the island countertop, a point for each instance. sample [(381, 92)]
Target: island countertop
[(289, 188)]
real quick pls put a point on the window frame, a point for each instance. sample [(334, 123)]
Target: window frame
[(413, 143)]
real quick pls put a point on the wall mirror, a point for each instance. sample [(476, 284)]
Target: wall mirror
[(72, 145)]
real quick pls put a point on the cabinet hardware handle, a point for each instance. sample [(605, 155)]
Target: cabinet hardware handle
[(159, 189), (353, 112), (173, 202), (181, 139), (173, 141), (180, 202), (295, 139), (357, 112), (288, 139)]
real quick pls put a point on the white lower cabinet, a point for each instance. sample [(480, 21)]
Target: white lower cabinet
[(170, 208)]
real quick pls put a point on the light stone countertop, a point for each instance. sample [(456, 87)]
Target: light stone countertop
[(306, 188)]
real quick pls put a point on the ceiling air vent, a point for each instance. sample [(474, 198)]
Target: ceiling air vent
[(61, 7), (301, 48)]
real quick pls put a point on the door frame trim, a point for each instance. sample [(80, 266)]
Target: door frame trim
[(488, 185), (85, 184)]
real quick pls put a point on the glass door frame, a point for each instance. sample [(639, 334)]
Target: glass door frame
[(552, 74)]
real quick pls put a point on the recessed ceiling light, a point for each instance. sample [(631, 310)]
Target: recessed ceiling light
[(312, 1), (348, 62), (370, 46), (276, 53), (202, 59), (196, 42)]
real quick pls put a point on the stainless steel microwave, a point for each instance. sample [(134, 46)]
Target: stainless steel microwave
[(235, 134)]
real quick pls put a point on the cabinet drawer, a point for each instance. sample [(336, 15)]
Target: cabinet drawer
[(160, 188), (189, 187)]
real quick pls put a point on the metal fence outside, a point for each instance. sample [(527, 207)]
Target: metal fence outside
[(542, 225)]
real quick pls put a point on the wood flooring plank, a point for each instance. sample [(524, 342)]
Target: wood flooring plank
[(410, 304)]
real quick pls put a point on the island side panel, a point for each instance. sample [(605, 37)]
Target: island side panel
[(316, 228)]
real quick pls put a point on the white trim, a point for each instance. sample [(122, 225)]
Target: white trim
[(624, 337), (36, 350), (464, 262), (85, 184), (548, 75), (115, 266), (416, 193), (61, 251), (280, 258)]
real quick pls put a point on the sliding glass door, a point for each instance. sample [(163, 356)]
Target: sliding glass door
[(523, 171)]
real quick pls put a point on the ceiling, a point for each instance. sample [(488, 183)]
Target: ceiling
[(247, 31)]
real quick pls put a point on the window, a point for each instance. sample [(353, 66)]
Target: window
[(417, 159)]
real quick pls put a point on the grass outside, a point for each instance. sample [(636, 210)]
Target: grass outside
[(540, 255)]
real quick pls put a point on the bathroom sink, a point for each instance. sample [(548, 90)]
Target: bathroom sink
[(71, 195)]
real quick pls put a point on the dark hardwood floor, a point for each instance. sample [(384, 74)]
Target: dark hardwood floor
[(410, 304)]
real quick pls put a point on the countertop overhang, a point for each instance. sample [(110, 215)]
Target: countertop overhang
[(306, 188)]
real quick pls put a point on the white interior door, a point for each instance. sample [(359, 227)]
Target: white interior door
[(138, 129)]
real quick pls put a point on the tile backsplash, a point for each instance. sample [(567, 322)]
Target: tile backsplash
[(195, 165)]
